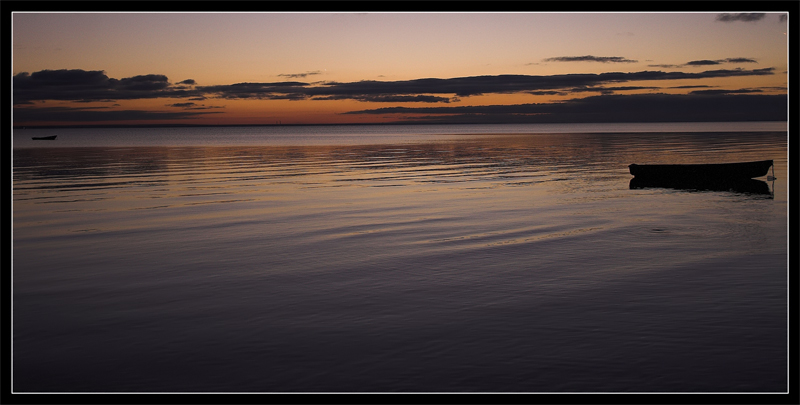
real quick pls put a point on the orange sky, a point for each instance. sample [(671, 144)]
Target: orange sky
[(226, 49)]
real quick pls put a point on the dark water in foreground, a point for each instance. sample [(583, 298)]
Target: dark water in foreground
[(505, 262)]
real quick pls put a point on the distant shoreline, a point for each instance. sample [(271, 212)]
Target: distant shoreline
[(210, 125), (348, 124)]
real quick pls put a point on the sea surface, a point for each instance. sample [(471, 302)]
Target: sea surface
[(482, 258)]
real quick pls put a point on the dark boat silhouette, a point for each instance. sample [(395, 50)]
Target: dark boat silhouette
[(735, 177), (44, 138), (704, 172)]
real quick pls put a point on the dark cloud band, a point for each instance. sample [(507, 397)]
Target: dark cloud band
[(79, 85), (723, 105), (612, 108)]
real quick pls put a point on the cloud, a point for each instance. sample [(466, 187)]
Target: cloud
[(706, 62), (610, 89), (193, 106), (548, 93), (300, 75), (590, 58), (700, 105), (188, 81), (476, 85), (79, 85), (266, 91), (603, 90), (612, 108), (730, 17), (703, 62), (722, 91), (141, 83), (740, 60), (64, 77), (91, 85), (389, 98)]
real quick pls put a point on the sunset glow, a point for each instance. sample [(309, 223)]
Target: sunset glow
[(314, 68)]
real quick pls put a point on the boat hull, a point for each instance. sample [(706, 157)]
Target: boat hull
[(702, 172)]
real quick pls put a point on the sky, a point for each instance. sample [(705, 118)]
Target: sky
[(231, 68)]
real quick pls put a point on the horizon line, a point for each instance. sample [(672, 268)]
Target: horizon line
[(360, 124)]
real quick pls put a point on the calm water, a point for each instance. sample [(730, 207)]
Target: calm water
[(395, 259)]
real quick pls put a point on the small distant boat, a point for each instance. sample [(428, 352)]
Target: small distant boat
[(44, 138), (702, 172)]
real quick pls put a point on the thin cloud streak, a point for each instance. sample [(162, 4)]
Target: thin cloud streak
[(389, 98), (193, 106), (707, 62), (723, 91), (746, 17), (704, 62), (590, 58), (300, 75), (603, 90), (67, 114), (740, 60)]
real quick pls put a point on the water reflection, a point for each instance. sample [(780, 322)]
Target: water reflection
[(745, 186), (512, 159), (506, 263), (579, 161)]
